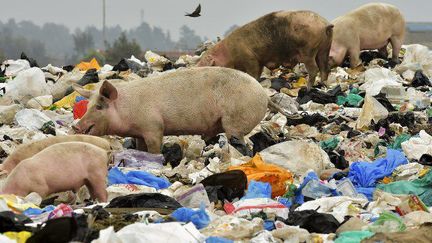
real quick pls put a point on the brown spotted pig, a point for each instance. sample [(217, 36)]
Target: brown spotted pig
[(279, 38), (61, 167), (371, 26), (197, 101)]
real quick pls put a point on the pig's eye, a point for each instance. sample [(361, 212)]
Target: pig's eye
[(99, 107)]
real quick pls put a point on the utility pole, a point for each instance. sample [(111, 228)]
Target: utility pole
[(142, 15), (103, 24)]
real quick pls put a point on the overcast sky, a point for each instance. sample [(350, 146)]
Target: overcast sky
[(217, 15)]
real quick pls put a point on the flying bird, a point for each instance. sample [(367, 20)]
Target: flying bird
[(195, 13)]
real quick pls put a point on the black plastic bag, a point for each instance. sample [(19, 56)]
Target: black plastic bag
[(313, 221), (319, 96), (91, 76), (225, 186), (338, 159), (426, 159), (385, 102), (241, 146), (172, 153), (10, 221), (56, 230), (32, 61), (144, 200), (311, 120), (420, 79), (279, 83), (261, 141)]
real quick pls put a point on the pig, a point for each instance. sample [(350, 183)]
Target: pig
[(278, 38), (61, 167), (196, 101), (25, 151), (371, 26)]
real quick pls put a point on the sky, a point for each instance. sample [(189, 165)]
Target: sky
[(217, 15)]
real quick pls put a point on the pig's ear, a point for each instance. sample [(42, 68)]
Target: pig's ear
[(108, 91), (85, 93)]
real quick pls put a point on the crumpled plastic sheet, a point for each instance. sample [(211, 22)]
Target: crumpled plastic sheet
[(115, 176), (416, 146), (364, 175), (173, 232), (378, 78)]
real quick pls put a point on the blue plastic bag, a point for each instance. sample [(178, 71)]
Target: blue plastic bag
[(214, 239), (115, 176), (364, 175), (257, 189), (36, 211), (79, 98), (198, 217)]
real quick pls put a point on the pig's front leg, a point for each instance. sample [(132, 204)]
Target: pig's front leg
[(153, 140), (141, 144)]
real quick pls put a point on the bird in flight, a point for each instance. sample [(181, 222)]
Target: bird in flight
[(195, 13)]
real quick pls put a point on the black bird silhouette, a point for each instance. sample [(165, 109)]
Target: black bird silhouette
[(195, 13)]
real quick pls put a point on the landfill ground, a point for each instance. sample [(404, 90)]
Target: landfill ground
[(348, 161)]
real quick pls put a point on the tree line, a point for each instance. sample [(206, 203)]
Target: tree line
[(56, 44)]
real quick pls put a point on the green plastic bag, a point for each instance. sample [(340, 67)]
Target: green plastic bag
[(329, 144), (421, 187), (351, 99), (388, 222), (399, 140), (353, 236)]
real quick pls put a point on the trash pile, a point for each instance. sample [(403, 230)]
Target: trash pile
[(348, 161)]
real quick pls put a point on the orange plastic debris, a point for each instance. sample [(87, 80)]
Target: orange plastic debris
[(256, 169), (84, 66)]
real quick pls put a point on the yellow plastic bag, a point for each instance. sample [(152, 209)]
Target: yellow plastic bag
[(15, 203), (84, 66), (20, 237), (256, 169), (69, 100)]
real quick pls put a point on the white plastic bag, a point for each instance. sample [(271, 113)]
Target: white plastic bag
[(417, 57), (371, 110), (13, 67), (415, 147), (297, 156), (156, 61), (378, 78), (31, 119), (26, 85)]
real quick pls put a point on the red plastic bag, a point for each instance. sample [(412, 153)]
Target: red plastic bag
[(80, 109)]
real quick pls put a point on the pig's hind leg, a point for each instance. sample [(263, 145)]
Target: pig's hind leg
[(312, 69), (396, 43), (97, 187)]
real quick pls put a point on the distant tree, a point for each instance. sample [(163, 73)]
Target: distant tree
[(231, 29), (95, 54), (83, 42), (122, 48), (188, 39)]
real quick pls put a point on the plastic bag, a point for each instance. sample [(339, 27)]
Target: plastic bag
[(313, 221), (246, 207), (233, 228), (115, 176), (364, 175), (198, 217), (378, 78), (417, 57), (372, 110), (7, 113), (257, 169), (156, 61), (388, 222), (84, 66), (144, 200), (226, 186), (297, 156), (172, 232), (137, 158), (117, 190), (14, 67), (399, 140), (193, 197), (421, 187), (31, 119), (258, 189), (353, 236), (79, 109), (17, 237), (415, 147), (27, 84), (40, 102)]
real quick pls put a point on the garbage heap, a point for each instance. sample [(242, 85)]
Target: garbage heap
[(347, 162)]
